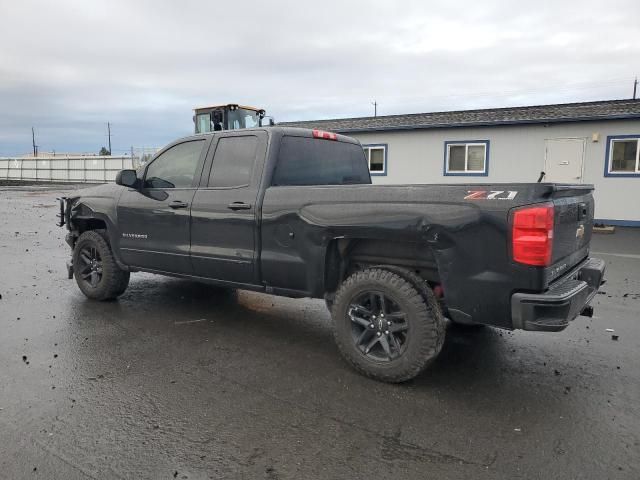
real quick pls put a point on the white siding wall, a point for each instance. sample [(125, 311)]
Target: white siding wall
[(516, 154)]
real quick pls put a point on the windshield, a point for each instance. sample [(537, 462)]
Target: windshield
[(242, 118)]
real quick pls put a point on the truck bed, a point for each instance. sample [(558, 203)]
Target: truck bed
[(463, 229)]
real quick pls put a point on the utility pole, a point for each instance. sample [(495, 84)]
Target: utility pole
[(375, 108), (109, 133), (33, 142), (635, 87)]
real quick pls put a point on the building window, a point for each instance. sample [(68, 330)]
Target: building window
[(376, 158), (623, 156), (469, 157)]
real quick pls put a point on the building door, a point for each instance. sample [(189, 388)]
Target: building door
[(563, 160)]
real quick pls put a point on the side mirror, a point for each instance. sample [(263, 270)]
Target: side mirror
[(127, 178)]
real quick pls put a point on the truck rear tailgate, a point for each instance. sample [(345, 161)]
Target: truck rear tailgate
[(573, 226)]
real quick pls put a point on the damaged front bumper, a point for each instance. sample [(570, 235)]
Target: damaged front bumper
[(63, 219), (568, 297)]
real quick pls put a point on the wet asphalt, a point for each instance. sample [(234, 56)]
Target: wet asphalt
[(180, 380)]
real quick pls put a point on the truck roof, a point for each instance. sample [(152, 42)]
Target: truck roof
[(275, 130)]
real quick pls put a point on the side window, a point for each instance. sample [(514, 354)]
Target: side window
[(377, 158), (203, 123), (233, 161), (624, 155), (466, 158), (176, 167)]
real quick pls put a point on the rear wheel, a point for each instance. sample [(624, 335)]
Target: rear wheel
[(385, 326), (95, 269)]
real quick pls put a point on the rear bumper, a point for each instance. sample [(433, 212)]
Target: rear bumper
[(567, 298)]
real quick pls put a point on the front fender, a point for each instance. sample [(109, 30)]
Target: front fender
[(96, 208)]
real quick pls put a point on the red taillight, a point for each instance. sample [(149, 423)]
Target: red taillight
[(325, 135), (532, 235)]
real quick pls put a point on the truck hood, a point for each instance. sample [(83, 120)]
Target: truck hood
[(108, 190), (97, 203)]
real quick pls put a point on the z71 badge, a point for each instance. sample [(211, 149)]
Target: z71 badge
[(491, 195)]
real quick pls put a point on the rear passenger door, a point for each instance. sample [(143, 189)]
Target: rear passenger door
[(223, 214)]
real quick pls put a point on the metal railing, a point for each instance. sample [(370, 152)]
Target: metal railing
[(84, 169)]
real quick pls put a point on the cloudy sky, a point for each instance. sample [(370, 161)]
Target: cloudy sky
[(69, 66)]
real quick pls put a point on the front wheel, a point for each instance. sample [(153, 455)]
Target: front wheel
[(95, 269), (386, 326)]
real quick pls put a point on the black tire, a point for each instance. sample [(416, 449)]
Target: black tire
[(415, 333), (432, 302), (95, 269)]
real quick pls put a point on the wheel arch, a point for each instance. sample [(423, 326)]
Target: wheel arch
[(84, 218), (346, 255)]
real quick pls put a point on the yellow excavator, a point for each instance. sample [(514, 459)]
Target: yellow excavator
[(229, 117)]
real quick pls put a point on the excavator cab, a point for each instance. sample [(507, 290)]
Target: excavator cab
[(228, 117)]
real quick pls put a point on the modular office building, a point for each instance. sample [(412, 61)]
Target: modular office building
[(591, 142)]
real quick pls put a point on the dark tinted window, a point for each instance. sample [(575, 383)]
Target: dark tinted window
[(176, 167), (310, 161), (233, 161)]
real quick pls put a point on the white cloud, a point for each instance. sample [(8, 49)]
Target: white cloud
[(68, 67)]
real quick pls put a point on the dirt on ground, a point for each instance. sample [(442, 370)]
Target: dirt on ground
[(181, 380)]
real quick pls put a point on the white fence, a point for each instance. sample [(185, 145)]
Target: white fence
[(65, 169)]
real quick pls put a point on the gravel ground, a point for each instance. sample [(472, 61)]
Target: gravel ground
[(178, 380)]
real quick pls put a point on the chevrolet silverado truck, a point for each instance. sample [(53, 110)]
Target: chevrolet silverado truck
[(292, 212)]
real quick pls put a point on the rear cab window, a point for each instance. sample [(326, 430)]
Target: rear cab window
[(313, 161)]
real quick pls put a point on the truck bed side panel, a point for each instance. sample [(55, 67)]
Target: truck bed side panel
[(468, 237)]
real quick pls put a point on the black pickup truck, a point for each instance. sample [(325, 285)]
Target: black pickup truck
[(293, 212)]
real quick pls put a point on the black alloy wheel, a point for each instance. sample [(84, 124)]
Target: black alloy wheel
[(387, 323), (90, 268), (379, 326)]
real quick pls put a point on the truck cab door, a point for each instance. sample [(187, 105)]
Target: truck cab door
[(154, 221), (224, 218)]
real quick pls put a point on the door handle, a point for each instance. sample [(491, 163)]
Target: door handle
[(239, 206), (178, 204)]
